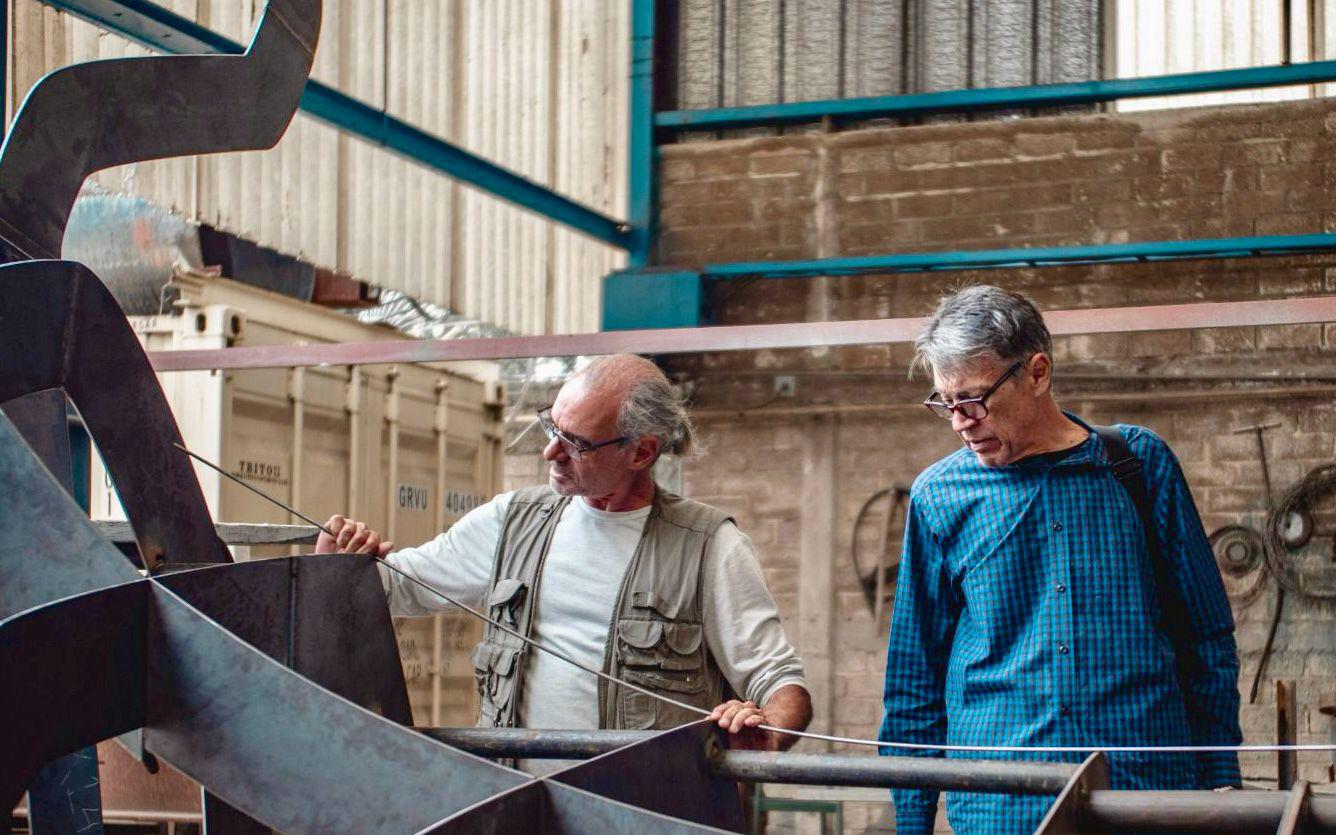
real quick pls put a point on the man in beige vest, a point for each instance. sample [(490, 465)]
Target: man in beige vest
[(604, 566)]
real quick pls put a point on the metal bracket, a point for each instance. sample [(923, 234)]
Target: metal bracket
[(1065, 816)]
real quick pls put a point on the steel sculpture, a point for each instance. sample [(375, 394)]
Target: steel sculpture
[(276, 684)]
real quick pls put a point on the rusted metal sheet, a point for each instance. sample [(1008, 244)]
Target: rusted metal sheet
[(745, 337)]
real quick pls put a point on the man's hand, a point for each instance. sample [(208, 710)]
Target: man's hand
[(740, 720), (788, 707), (350, 537)]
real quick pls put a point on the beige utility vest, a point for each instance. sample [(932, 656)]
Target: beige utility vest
[(656, 633)]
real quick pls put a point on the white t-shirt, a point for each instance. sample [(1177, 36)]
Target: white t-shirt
[(591, 550)]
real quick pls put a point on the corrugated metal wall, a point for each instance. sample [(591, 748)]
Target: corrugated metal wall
[(539, 86), (741, 52), (1156, 37)]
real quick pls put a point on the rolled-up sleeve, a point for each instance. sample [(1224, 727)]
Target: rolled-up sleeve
[(922, 626), (742, 625)]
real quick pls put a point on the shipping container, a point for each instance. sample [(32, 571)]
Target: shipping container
[(406, 448)]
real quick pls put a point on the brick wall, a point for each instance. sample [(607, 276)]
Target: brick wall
[(1028, 182)]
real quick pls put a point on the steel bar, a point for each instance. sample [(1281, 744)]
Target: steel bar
[(739, 337), (118, 531), (956, 101), (160, 29), (1202, 811), (799, 769), (1047, 256), (640, 153), (896, 772)]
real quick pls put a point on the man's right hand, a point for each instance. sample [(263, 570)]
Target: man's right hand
[(350, 537)]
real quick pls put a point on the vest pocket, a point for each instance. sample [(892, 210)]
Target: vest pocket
[(494, 674), (661, 655)]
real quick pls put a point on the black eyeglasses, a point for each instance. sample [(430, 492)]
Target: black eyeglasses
[(974, 408), (574, 445)]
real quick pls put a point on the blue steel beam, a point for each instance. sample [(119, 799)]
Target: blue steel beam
[(1044, 95), (917, 262), (641, 116), (157, 28)]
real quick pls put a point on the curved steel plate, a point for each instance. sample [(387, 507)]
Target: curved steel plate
[(71, 334), (86, 117), (286, 751), (637, 774), (322, 615), (74, 674), (50, 550)]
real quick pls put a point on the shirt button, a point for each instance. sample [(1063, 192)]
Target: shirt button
[(1065, 710), (1059, 588), (1057, 526), (1062, 649)]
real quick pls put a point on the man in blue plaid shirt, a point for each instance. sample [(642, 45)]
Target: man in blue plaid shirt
[(1027, 610)]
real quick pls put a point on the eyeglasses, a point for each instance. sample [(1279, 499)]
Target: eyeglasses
[(974, 408), (574, 445)]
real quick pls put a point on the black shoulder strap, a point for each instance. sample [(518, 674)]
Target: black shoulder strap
[(1126, 468)]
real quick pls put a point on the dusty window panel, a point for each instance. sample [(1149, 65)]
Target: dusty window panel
[(1152, 37)]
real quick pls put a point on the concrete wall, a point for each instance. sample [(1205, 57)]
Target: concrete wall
[(795, 471)]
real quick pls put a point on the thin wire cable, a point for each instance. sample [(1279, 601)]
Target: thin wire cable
[(906, 746)]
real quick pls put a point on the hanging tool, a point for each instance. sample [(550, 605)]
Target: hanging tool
[(1259, 431)]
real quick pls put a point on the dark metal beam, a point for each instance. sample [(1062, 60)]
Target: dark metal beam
[(157, 28), (995, 98), (740, 337)]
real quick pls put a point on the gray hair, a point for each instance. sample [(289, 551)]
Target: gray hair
[(651, 407), (981, 322)]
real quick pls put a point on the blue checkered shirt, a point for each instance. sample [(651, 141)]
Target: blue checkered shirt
[(1026, 613)]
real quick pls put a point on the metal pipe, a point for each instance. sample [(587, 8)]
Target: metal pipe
[(759, 766), (1202, 811), (162, 30), (1291, 311), (1010, 776), (957, 101)]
